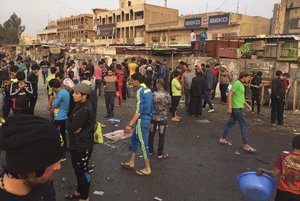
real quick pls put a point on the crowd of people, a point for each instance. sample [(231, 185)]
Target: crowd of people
[(72, 103)]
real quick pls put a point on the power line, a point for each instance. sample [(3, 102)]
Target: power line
[(65, 5), (221, 5)]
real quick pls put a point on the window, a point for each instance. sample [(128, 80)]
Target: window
[(155, 39), (129, 3)]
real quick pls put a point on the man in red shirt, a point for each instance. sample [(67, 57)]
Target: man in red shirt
[(288, 168), (215, 71), (98, 77)]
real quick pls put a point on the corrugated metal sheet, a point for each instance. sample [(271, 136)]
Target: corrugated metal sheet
[(290, 36)]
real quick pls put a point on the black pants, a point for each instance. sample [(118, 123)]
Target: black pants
[(21, 111), (32, 104), (277, 106), (286, 196), (7, 106), (195, 107), (98, 85), (208, 98), (110, 102), (223, 89), (193, 43), (256, 97), (162, 126), (187, 97), (214, 92), (80, 160), (61, 125), (175, 103)]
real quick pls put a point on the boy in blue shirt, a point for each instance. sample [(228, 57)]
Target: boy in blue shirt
[(61, 107)]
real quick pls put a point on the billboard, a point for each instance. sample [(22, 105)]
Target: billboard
[(192, 22), (219, 20), (106, 30)]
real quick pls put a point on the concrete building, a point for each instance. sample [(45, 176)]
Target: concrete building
[(48, 35), (76, 29), (219, 25), (126, 25), (286, 17)]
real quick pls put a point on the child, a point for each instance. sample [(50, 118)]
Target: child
[(288, 168)]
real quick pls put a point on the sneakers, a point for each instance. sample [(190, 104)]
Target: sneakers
[(211, 110), (91, 168)]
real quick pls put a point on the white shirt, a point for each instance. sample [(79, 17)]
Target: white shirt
[(193, 37)]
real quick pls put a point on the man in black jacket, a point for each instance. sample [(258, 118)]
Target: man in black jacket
[(33, 78), (208, 88), (277, 99), (196, 93), (81, 129), (21, 93)]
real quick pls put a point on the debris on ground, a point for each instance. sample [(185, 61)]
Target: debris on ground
[(115, 120), (98, 193), (117, 135), (158, 199), (237, 153), (204, 121)]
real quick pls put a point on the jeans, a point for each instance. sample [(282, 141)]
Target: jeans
[(256, 97), (223, 89), (277, 106), (175, 103), (237, 115), (98, 85), (80, 160), (193, 43), (286, 196), (162, 127), (202, 47), (207, 100), (45, 74), (110, 102)]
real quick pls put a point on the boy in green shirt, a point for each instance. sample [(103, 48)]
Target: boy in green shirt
[(236, 103), (176, 95)]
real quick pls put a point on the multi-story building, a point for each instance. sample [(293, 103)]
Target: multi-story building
[(286, 17), (126, 25), (76, 29), (219, 25), (48, 35)]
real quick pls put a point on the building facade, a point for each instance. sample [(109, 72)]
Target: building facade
[(76, 29), (286, 17), (126, 25), (219, 25), (48, 35)]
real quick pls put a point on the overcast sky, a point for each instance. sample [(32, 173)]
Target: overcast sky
[(35, 14)]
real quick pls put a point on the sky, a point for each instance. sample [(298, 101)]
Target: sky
[(35, 14)]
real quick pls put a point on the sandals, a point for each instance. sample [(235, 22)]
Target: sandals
[(250, 150), (225, 142), (163, 156), (72, 196), (142, 173), (126, 166)]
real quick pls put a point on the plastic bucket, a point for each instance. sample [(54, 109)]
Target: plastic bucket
[(256, 188)]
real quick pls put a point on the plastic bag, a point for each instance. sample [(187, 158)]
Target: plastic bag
[(98, 135)]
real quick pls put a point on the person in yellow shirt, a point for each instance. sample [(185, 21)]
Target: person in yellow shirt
[(132, 66)]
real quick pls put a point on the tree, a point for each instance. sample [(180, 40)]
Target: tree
[(11, 30)]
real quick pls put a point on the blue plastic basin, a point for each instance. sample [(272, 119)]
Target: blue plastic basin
[(256, 188)]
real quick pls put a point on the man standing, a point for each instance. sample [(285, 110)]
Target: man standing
[(71, 72), (187, 77), (176, 88), (60, 105), (277, 99), (236, 103), (84, 73), (98, 77), (193, 41), (225, 79), (33, 78), (31, 161), (256, 85), (21, 93), (196, 93), (110, 90), (45, 65), (215, 71), (80, 128), (208, 88), (140, 121), (203, 38), (20, 64), (60, 66), (90, 67), (161, 104)]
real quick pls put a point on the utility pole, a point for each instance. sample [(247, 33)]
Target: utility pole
[(238, 5), (166, 3), (206, 8)]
